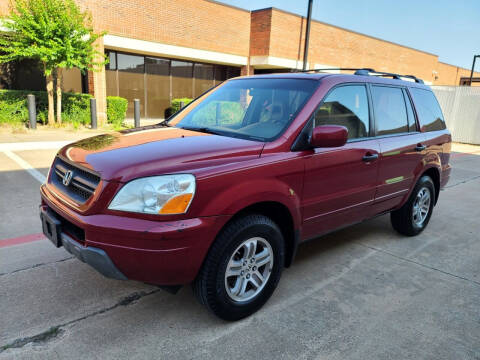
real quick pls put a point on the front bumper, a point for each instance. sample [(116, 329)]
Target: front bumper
[(155, 252), (96, 258)]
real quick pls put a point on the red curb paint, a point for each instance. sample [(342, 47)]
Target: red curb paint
[(21, 240)]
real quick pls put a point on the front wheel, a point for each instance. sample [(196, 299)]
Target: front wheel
[(242, 269), (413, 217)]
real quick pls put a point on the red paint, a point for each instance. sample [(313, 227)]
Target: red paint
[(322, 188), (329, 136), (21, 240), (347, 190)]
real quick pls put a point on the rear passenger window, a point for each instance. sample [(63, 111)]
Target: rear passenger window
[(390, 111), (346, 106), (428, 111)]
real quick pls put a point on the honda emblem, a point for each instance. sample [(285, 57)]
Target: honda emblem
[(67, 178)]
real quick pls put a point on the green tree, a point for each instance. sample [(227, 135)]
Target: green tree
[(57, 34)]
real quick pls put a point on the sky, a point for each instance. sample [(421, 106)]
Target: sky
[(447, 28)]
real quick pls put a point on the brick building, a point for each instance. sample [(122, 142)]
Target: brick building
[(165, 49)]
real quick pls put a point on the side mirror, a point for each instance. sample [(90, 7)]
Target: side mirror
[(329, 136)]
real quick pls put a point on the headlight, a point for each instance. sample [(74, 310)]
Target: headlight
[(165, 195)]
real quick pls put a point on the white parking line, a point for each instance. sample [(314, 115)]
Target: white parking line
[(33, 145), (31, 170), (8, 148)]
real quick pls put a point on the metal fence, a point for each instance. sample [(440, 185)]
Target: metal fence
[(461, 108)]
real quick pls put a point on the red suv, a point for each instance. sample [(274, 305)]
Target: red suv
[(222, 193)]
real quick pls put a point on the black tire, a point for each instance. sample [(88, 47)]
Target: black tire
[(403, 219), (210, 285)]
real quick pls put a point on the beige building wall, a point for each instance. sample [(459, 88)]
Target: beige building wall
[(195, 24), (279, 34), (206, 31)]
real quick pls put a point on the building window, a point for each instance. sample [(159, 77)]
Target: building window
[(112, 61), (156, 81), (158, 86), (131, 81), (203, 78), (131, 63), (182, 84)]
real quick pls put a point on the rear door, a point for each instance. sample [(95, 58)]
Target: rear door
[(340, 182), (432, 125), (402, 146)]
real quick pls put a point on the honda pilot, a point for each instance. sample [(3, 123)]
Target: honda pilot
[(222, 193)]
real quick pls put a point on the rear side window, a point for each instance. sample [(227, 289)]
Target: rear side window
[(429, 113), (390, 112), (346, 106)]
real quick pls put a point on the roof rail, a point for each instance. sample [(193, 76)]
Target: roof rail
[(326, 69), (369, 72)]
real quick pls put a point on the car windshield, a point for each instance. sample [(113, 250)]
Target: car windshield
[(255, 109)]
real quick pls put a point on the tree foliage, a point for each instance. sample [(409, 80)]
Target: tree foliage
[(55, 32)]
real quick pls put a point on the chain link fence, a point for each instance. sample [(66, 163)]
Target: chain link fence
[(461, 108)]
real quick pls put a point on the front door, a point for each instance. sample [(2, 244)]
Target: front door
[(340, 183)]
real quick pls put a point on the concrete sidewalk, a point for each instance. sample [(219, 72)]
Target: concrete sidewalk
[(8, 135), (45, 133)]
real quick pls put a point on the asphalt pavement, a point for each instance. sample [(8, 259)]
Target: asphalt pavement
[(364, 292)]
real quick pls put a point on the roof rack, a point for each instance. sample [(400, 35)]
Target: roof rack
[(369, 72)]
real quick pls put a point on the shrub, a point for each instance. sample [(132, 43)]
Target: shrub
[(116, 110), (176, 106), (176, 103), (76, 108), (13, 107)]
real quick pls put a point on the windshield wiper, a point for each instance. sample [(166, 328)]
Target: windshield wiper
[(202, 130)]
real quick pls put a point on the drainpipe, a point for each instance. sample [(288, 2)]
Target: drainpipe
[(307, 34), (473, 67)]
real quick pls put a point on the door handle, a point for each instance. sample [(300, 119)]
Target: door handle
[(369, 157), (420, 147)]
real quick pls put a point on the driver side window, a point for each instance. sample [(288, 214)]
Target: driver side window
[(346, 106)]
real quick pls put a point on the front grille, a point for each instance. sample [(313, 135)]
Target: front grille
[(80, 186), (76, 233)]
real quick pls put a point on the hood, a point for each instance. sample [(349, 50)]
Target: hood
[(156, 150)]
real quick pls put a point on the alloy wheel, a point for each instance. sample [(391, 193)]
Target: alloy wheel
[(421, 206), (248, 269)]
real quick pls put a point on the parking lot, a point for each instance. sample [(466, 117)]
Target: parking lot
[(364, 292)]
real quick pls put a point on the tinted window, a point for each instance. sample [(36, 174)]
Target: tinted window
[(182, 83), (257, 109), (412, 125), (203, 74), (131, 80), (112, 61), (157, 85), (390, 111), (428, 110), (346, 106), (156, 81), (130, 63)]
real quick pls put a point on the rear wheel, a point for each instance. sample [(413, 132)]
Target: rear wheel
[(413, 217), (242, 269)]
